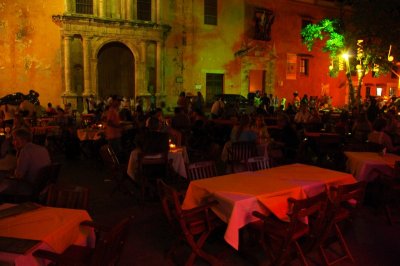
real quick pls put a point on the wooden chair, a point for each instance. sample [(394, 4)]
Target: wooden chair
[(192, 226), (106, 252), (287, 234), (71, 197), (38, 188), (257, 163), (239, 152), (200, 170), (345, 200), (391, 193), (150, 168), (117, 171)]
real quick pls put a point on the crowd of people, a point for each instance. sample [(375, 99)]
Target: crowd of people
[(205, 135)]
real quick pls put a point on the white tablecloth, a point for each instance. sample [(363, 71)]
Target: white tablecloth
[(178, 156), (56, 228), (264, 191), (367, 166)]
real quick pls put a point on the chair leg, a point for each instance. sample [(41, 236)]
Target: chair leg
[(343, 245), (197, 251), (301, 254)]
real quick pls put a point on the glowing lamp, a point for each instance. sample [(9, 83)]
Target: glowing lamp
[(345, 56)]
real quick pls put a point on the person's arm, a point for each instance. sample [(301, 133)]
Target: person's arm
[(112, 120), (22, 167)]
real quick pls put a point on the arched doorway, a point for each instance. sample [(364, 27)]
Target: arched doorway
[(116, 71)]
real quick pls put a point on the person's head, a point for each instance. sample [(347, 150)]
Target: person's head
[(182, 94), (260, 121), (115, 101), (379, 124), (21, 136), (49, 105), (153, 123)]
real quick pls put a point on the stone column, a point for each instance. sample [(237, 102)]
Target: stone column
[(129, 9), (134, 9), (102, 8), (87, 90), (158, 66), (117, 9), (67, 64), (156, 8), (67, 5)]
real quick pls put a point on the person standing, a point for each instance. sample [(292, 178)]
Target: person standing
[(113, 130), (217, 108)]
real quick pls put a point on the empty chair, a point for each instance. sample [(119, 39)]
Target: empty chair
[(106, 252), (72, 197), (200, 170), (257, 163), (193, 226), (117, 171), (345, 200), (150, 168), (239, 152), (278, 238)]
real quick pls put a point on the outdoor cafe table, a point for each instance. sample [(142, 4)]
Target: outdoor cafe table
[(54, 228), (265, 191), (178, 157), (366, 166)]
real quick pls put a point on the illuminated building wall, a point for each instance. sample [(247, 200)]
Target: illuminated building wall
[(66, 55)]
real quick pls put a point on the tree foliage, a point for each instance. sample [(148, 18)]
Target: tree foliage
[(367, 33)]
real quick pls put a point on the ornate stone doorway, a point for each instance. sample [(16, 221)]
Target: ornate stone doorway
[(116, 71)]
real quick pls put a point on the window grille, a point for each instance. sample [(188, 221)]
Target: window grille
[(84, 6), (144, 10), (210, 12)]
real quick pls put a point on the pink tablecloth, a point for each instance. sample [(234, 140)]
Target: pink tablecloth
[(264, 191), (367, 166), (56, 228)]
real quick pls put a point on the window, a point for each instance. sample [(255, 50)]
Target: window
[(214, 86), (144, 10), (304, 23), (84, 6), (304, 66), (210, 12)]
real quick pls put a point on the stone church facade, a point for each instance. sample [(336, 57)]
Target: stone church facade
[(69, 50)]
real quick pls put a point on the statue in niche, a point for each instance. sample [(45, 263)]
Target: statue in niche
[(263, 19)]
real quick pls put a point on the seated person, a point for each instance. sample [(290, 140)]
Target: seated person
[(239, 133), (380, 137), (150, 140), (243, 132), (31, 158), (261, 130)]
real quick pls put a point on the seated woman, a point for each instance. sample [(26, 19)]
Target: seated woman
[(380, 137), (241, 132), (261, 130)]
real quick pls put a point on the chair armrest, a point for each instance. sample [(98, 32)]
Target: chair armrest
[(199, 209), (96, 226), (45, 254), (259, 215)]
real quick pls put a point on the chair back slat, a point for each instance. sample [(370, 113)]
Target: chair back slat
[(241, 151), (71, 197), (258, 163), (200, 170)]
